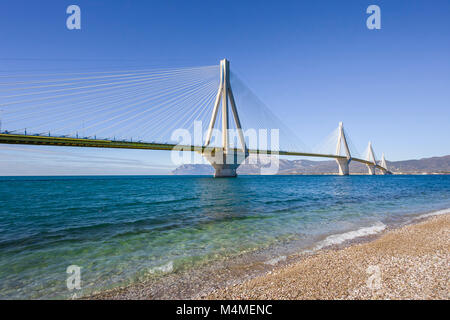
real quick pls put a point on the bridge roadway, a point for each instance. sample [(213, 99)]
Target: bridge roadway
[(100, 143)]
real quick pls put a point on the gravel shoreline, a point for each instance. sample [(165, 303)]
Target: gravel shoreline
[(412, 262)]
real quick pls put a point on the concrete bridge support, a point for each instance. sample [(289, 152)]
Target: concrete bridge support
[(371, 169), (383, 165), (225, 161), (225, 164), (343, 165), (371, 158), (342, 142)]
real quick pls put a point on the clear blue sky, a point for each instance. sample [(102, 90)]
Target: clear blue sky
[(314, 63)]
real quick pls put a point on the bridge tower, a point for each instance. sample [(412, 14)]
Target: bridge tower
[(371, 158), (343, 163), (383, 164), (225, 160)]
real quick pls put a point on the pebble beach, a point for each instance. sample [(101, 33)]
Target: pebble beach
[(412, 262), (409, 262)]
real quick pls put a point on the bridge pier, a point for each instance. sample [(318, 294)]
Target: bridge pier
[(225, 172), (343, 162), (225, 163), (371, 169), (371, 158), (343, 165), (383, 165), (224, 160)]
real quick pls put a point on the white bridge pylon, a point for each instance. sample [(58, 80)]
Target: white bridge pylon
[(342, 141), (343, 163), (383, 164), (226, 161), (371, 158)]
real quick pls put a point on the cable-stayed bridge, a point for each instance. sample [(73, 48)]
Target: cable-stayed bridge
[(155, 110)]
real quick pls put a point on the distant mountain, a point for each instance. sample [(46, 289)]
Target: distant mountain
[(434, 164), (421, 166)]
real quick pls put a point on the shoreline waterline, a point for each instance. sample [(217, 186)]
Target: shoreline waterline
[(212, 282), (410, 262)]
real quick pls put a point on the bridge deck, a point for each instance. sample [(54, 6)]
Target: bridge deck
[(99, 143)]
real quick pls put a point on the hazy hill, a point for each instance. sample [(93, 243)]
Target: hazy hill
[(425, 165)]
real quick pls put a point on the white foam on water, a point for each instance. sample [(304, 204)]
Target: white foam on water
[(166, 268), (367, 231), (433, 213), (274, 261), (341, 237)]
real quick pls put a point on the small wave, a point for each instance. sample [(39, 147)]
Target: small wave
[(341, 237), (285, 200), (275, 261), (433, 213), (165, 268)]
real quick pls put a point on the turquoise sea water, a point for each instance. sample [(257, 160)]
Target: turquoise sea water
[(125, 229)]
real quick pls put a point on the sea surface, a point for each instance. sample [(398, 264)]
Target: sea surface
[(124, 229)]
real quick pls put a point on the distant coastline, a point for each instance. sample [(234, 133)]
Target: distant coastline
[(430, 166)]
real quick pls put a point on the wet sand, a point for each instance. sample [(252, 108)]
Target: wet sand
[(411, 262)]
